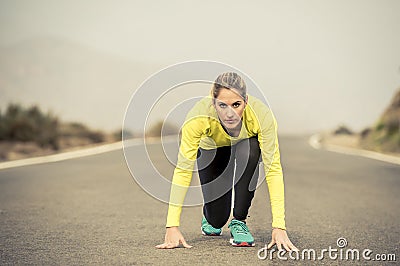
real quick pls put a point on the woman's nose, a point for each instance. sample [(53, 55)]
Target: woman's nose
[(230, 113)]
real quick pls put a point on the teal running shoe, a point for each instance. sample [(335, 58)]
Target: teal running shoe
[(240, 234), (208, 230)]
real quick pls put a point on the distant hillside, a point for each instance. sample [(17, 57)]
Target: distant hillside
[(385, 135), (72, 80)]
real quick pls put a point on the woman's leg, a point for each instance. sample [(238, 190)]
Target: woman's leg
[(246, 177), (215, 168)]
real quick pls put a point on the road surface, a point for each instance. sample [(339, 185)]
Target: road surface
[(91, 211)]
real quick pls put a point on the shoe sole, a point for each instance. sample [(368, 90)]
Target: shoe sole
[(241, 244), (205, 234)]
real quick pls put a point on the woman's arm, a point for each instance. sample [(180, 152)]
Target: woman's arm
[(190, 140), (268, 138)]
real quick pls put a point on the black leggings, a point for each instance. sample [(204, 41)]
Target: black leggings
[(217, 173)]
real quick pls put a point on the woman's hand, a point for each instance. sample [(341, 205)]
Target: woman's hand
[(173, 238), (280, 238)]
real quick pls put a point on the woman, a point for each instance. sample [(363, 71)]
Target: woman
[(229, 126)]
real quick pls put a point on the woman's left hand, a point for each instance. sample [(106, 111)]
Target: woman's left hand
[(280, 238)]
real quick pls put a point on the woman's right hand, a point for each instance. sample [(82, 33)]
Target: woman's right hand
[(173, 238)]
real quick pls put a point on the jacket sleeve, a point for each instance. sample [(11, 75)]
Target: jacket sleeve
[(268, 139), (190, 140)]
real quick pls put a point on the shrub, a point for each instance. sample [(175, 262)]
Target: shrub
[(166, 128), (365, 132), (343, 130), (95, 136), (79, 130), (30, 124), (117, 135)]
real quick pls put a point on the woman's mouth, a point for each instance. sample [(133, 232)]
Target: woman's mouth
[(230, 121)]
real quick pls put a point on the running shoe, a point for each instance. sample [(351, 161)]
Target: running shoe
[(208, 230), (240, 234)]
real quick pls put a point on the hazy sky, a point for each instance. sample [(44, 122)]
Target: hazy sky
[(319, 63)]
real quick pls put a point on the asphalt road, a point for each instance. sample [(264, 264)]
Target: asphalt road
[(91, 211)]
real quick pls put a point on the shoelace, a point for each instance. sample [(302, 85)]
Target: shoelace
[(240, 228)]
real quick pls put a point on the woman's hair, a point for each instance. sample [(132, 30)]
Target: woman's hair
[(229, 80)]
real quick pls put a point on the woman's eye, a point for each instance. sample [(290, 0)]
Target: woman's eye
[(222, 105), (235, 105)]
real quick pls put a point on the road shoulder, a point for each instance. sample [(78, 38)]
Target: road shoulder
[(348, 144)]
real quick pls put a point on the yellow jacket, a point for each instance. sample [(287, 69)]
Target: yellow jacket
[(202, 129)]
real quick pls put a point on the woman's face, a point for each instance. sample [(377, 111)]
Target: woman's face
[(230, 106)]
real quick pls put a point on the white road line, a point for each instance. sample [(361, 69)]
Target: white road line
[(83, 152), (62, 156), (315, 142)]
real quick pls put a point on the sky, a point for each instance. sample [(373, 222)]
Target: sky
[(319, 63)]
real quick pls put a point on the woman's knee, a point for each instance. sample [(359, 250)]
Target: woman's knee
[(217, 214), (218, 221)]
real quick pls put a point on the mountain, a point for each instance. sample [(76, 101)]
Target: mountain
[(385, 135), (75, 82)]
